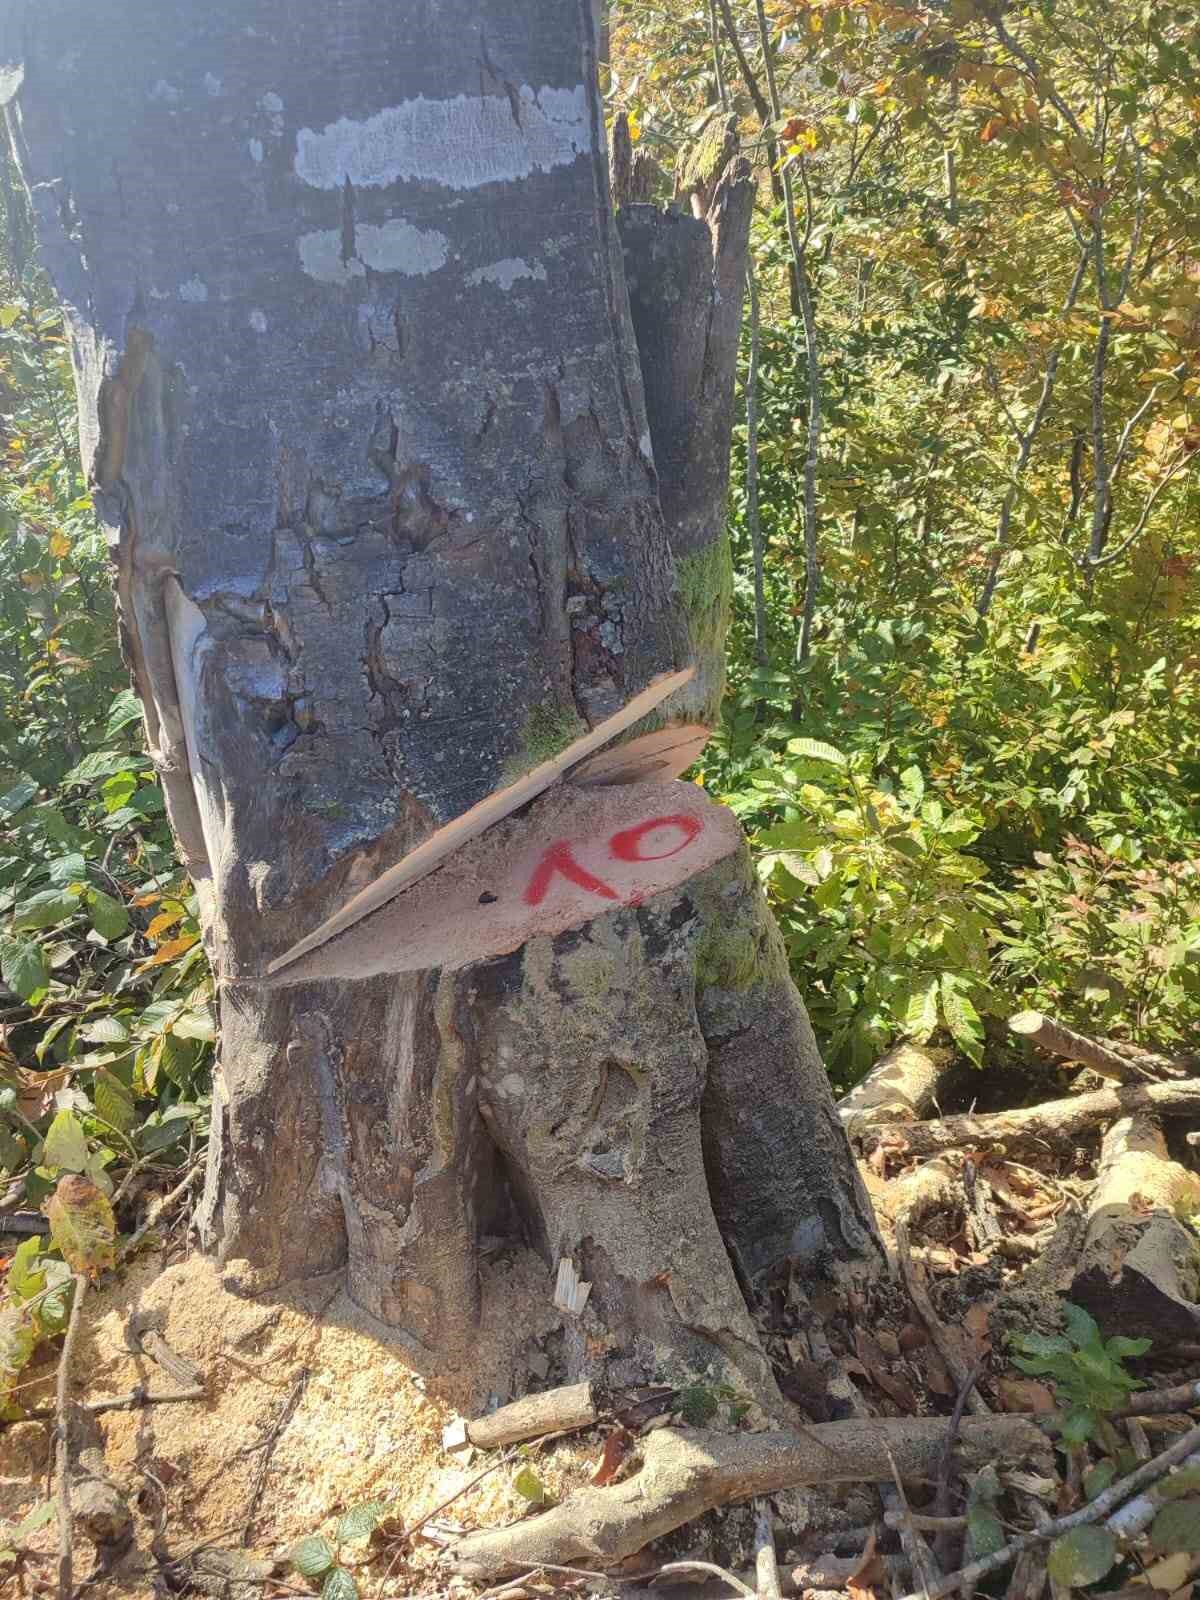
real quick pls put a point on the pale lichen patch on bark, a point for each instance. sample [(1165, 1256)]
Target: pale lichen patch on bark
[(394, 246), (503, 274), (461, 142)]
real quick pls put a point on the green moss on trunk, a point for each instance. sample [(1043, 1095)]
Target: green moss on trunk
[(548, 731)]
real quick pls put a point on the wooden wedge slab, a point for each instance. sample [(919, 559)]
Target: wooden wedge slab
[(482, 816), (575, 854), (660, 755)]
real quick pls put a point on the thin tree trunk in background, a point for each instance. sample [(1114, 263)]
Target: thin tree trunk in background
[(714, 36), (363, 410), (752, 515), (799, 249)]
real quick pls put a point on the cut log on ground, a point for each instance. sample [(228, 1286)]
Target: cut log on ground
[(686, 1473), (1054, 1124), (554, 1411), (900, 1087), (1122, 1067), (1139, 1273)]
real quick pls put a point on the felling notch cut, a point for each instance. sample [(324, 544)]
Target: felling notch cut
[(629, 877)]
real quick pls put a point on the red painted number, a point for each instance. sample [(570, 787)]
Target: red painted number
[(558, 858), (627, 845)]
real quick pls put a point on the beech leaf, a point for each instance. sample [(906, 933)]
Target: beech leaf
[(82, 1225)]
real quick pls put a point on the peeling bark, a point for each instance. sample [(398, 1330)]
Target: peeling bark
[(364, 416)]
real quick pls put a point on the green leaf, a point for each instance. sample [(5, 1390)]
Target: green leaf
[(109, 917), (105, 1030), (45, 909), (18, 1341), (1096, 1479), (26, 1276), (312, 1556), (125, 709), (68, 869), (1082, 1556), (101, 764), (360, 1521), (1078, 1425), (816, 750), (921, 1012), (178, 1059), (1177, 1527), (529, 1486), (339, 1585), (66, 1144), (82, 1225), (1081, 1325), (19, 796), (118, 790), (114, 1102), (197, 1024), (23, 967)]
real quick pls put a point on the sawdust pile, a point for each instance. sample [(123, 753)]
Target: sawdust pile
[(310, 1409)]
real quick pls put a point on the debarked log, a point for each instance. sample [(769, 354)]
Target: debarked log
[(900, 1087)]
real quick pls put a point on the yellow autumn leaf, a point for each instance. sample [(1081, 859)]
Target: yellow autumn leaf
[(168, 952), (60, 545), (163, 921)]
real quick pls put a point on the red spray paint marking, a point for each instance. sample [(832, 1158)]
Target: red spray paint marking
[(558, 858), (623, 846), (626, 844)]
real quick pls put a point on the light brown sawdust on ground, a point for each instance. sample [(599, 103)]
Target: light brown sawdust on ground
[(366, 1425)]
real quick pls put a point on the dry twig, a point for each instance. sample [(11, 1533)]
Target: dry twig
[(62, 1446), (1102, 1506)]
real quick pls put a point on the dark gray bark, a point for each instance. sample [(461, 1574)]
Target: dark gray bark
[(364, 416)]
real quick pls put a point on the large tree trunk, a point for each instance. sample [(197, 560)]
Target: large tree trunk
[(362, 402)]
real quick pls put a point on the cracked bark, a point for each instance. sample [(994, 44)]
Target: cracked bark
[(375, 456)]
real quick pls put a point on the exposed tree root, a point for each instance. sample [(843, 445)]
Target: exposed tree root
[(686, 1473)]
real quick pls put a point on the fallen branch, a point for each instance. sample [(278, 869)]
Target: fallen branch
[(963, 1377), (565, 1410), (1059, 1040), (679, 1567), (62, 1442), (1057, 1122), (1102, 1506), (766, 1561), (1136, 1515), (1154, 1402), (133, 1401), (685, 1473)]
